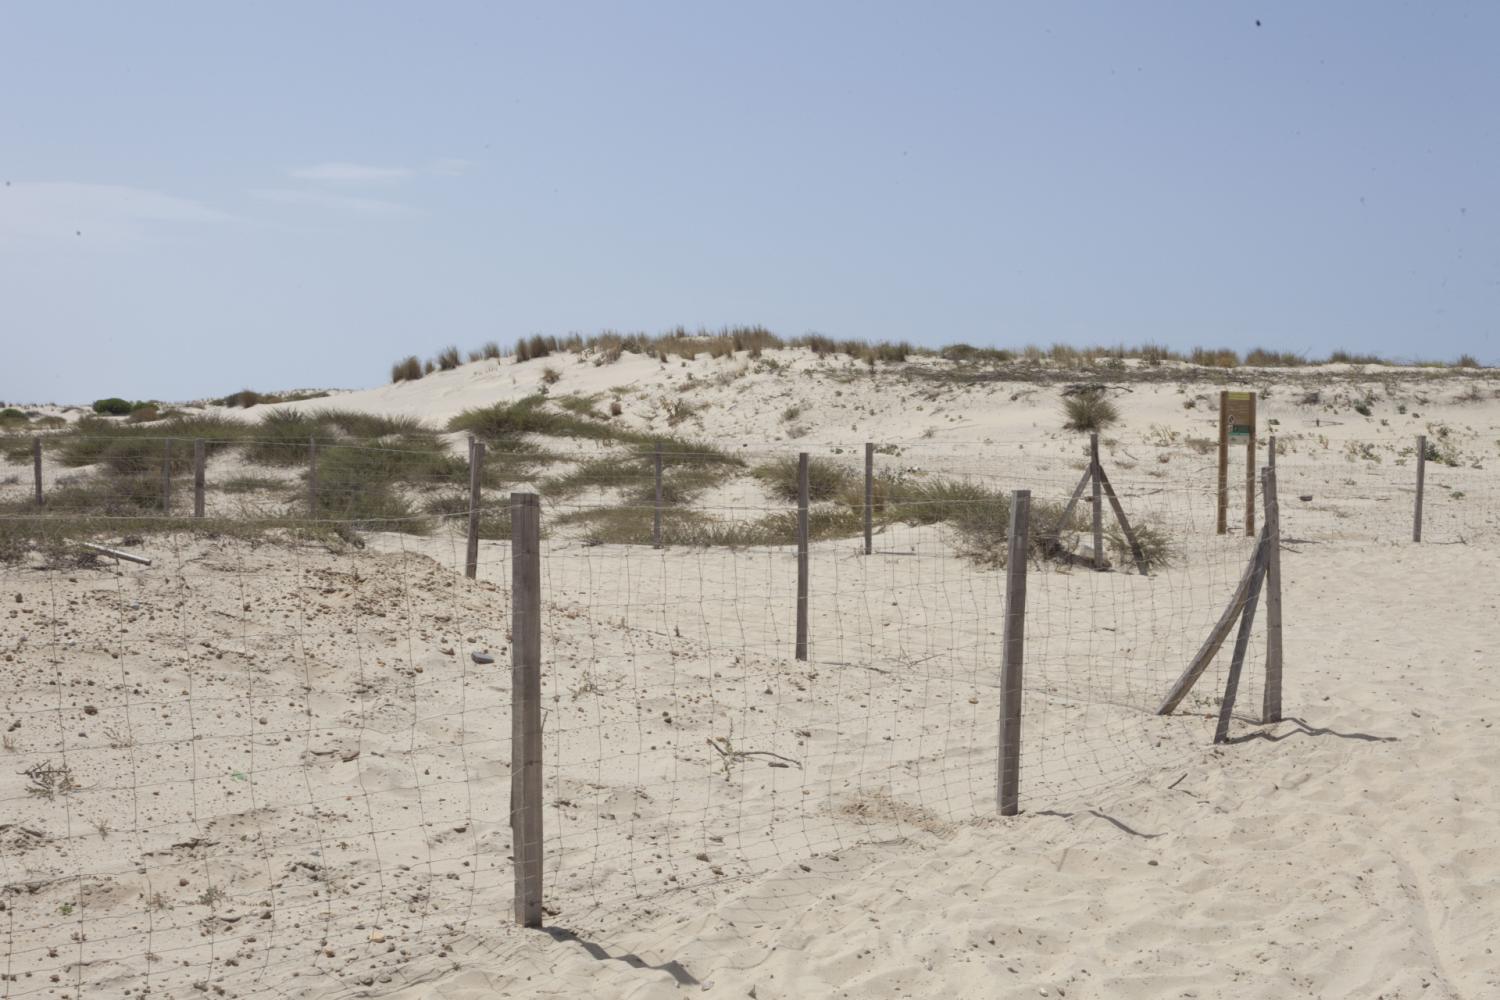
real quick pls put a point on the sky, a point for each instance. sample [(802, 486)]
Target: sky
[(197, 198)]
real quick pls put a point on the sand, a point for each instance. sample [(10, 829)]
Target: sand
[(293, 776)]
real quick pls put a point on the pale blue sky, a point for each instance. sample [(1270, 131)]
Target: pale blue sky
[(200, 197)]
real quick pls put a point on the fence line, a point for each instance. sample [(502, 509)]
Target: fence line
[(277, 760)]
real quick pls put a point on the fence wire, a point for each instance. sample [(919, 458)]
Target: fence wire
[(277, 758)]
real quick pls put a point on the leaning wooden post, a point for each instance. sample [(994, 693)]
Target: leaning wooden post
[(801, 652), (869, 496), (476, 467), (1013, 646), (1241, 643), (312, 478), (526, 705), (1416, 524), (1098, 500), (166, 476), (198, 478), (1271, 696), (656, 510), (36, 467)]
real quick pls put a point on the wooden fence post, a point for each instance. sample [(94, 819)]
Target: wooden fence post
[(656, 510), (1223, 521), (198, 503), (1098, 500), (1416, 524), (166, 476), (869, 496), (36, 467), (1013, 647), (1271, 696), (801, 651), (526, 705), (312, 478), (1271, 451), (476, 473), (1250, 465)]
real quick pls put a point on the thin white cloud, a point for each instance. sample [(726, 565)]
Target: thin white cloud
[(367, 208), (450, 166), (100, 215), (355, 173)]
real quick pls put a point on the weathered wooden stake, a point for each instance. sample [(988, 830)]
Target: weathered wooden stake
[(1223, 521), (801, 651), (1098, 500), (526, 705), (1271, 451), (166, 476), (476, 471), (656, 511), (869, 496), (1013, 648), (1271, 696), (312, 478), (36, 467), (1241, 643), (1416, 524), (198, 477)]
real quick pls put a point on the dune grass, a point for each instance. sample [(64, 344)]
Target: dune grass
[(826, 479), (1089, 410), (127, 448)]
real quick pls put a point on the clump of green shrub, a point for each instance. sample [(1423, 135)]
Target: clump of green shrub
[(1089, 410), (114, 406)]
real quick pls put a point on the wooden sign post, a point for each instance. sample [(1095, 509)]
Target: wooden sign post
[(1237, 423)]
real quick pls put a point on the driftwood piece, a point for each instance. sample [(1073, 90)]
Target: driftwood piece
[(116, 553)]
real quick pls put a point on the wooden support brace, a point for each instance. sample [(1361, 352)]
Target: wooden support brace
[(1216, 636), (1241, 642), (1114, 503)]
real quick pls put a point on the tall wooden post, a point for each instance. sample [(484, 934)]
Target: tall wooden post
[(526, 705), (801, 651), (166, 476), (476, 473), (1098, 500), (1223, 461), (1271, 696), (1250, 474), (869, 497), (1416, 523), (198, 477), (36, 467), (656, 510), (1013, 647), (312, 478)]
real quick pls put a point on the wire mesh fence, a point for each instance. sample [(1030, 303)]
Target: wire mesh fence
[(278, 757)]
